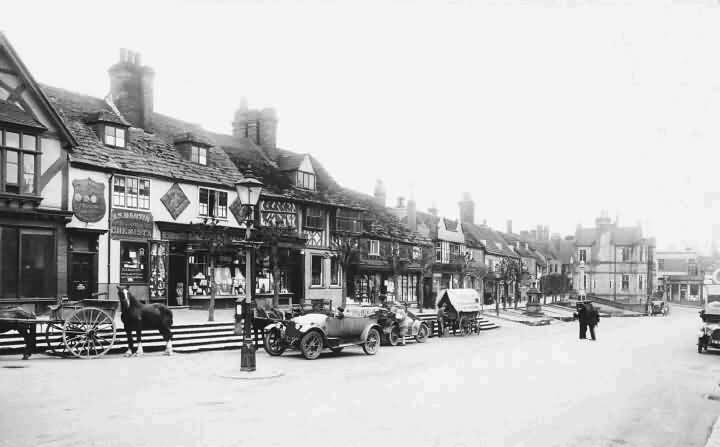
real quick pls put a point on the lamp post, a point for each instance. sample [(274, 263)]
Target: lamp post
[(248, 191)]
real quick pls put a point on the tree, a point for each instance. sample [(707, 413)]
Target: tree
[(348, 254), (553, 284), (426, 261), (509, 271)]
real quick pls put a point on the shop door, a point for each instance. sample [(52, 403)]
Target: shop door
[(428, 295), (176, 280), (82, 276)]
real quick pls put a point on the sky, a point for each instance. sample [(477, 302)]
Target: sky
[(546, 112)]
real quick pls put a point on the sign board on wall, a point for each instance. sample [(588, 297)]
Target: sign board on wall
[(127, 224), (88, 202)]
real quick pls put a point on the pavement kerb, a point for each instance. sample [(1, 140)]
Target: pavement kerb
[(714, 439)]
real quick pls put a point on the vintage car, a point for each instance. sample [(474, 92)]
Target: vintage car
[(659, 307), (709, 336), (391, 330), (312, 333)]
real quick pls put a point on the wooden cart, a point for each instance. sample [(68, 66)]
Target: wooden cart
[(463, 309), (85, 329)]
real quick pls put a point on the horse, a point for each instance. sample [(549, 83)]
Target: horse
[(137, 317), (27, 330)]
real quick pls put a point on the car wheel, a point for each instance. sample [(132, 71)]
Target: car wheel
[(422, 334), (394, 337), (372, 342), (311, 345), (336, 350), (272, 343)]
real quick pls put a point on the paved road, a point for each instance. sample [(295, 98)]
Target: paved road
[(641, 384)]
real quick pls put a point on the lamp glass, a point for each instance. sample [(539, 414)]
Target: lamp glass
[(248, 190)]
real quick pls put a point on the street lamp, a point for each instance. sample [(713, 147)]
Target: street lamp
[(248, 191)]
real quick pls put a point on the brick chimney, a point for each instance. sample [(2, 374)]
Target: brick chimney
[(380, 193), (467, 209), (412, 215), (131, 89), (508, 226), (400, 202), (260, 126)]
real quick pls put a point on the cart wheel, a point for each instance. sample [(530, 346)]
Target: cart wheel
[(54, 338), (89, 333)]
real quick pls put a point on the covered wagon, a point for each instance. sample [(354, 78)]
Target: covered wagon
[(461, 311)]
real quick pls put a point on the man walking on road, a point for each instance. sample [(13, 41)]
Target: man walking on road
[(587, 316)]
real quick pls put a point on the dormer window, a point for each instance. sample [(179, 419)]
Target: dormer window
[(305, 180), (199, 155), (114, 136)]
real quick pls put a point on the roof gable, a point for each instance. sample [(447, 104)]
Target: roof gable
[(26, 93)]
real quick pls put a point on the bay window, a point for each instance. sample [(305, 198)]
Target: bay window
[(349, 221), (18, 156), (213, 203), (131, 192)]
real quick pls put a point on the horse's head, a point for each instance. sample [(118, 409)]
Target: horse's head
[(124, 296)]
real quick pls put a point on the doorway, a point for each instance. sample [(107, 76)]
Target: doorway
[(82, 276), (177, 281)]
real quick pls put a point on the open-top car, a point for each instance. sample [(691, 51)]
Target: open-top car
[(392, 329), (659, 307), (709, 336), (312, 333)]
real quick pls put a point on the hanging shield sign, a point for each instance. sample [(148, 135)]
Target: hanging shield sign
[(88, 200)]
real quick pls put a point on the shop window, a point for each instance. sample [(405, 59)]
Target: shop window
[(265, 282), (316, 270), (131, 192), (27, 263), (692, 268), (694, 289), (114, 136), (334, 272), (198, 155), (314, 218), (229, 275), (213, 203), (133, 262), (625, 282), (19, 152), (408, 288)]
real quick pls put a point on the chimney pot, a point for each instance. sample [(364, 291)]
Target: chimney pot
[(401, 202), (509, 226), (412, 215)]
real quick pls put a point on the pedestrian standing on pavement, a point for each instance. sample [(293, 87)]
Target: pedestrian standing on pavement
[(441, 314), (588, 317)]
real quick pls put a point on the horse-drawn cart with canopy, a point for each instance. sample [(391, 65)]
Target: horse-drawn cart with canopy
[(462, 311)]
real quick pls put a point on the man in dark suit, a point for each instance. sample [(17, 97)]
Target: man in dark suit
[(588, 317)]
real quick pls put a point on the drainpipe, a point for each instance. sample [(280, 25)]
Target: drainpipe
[(110, 200)]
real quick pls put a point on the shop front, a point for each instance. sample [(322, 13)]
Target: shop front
[(194, 264)]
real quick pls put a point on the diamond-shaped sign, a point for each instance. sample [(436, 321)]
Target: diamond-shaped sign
[(175, 201), (241, 213)]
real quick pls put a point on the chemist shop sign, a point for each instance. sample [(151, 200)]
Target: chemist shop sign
[(127, 224)]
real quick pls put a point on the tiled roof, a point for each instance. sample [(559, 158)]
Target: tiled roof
[(10, 113), (290, 162), (151, 154), (478, 233)]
